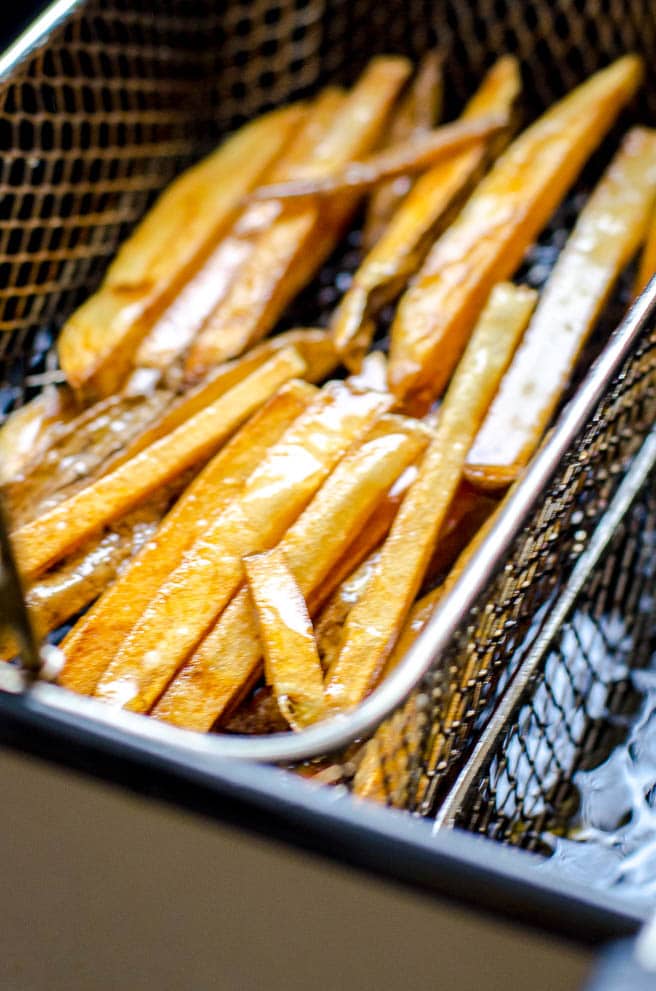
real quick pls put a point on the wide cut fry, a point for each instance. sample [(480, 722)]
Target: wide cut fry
[(27, 432), (96, 637), (404, 245), (78, 451), (406, 158), (286, 255), (418, 112), (291, 661), (47, 539), (175, 329), (81, 579), (486, 242), (606, 236), (273, 496), (647, 267), (97, 343), (313, 344), (227, 662), (375, 621)]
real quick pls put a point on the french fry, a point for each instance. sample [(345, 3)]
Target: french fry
[(374, 623), (47, 539), (286, 255), (647, 267), (291, 661), (419, 112), (606, 236), (385, 769), (488, 239), (406, 158), (227, 663), (313, 344), (98, 342), (386, 269), (330, 624), (81, 579), (177, 326), (78, 450), (27, 432), (96, 637), (272, 498)]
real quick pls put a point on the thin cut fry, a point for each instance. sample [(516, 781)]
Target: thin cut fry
[(291, 661), (386, 269), (78, 581), (27, 432), (489, 237), (606, 236), (227, 662), (406, 158), (286, 255), (177, 326), (96, 637), (313, 344), (419, 112), (648, 260), (47, 539), (376, 620), (273, 496), (97, 343)]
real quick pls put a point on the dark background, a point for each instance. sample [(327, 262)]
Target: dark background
[(17, 18)]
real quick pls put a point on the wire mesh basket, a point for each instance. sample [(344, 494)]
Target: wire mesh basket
[(105, 102)]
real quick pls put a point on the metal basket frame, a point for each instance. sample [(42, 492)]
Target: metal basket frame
[(92, 728)]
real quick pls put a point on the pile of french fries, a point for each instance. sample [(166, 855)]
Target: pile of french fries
[(237, 543)]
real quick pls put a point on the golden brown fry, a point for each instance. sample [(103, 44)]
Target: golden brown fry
[(286, 255), (418, 112), (273, 496), (330, 624), (406, 158), (489, 237), (291, 661), (313, 344), (97, 343), (648, 260), (47, 539), (227, 663), (386, 269), (375, 622), (607, 235), (28, 432), (177, 326), (81, 579), (96, 637), (78, 451)]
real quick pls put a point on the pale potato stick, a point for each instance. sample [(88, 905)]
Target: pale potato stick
[(227, 662), (271, 499), (648, 260), (385, 271), (81, 579), (177, 326), (291, 661), (98, 341), (419, 111), (375, 621), (606, 236), (407, 158), (286, 255), (91, 644), (27, 432), (488, 239), (47, 539), (77, 452), (313, 344)]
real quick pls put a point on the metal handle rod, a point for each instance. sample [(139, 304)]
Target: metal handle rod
[(13, 610)]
